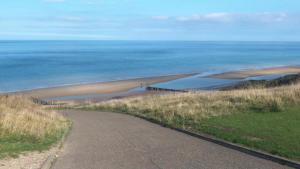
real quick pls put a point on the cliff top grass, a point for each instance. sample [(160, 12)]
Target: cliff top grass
[(27, 126)]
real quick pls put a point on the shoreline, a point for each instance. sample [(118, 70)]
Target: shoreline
[(98, 88), (247, 73), (122, 88)]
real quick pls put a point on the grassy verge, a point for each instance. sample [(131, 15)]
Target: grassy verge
[(26, 126), (277, 133), (265, 119)]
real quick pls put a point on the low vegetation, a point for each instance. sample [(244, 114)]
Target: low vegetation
[(275, 132), (264, 118), (250, 84), (206, 104), (27, 126)]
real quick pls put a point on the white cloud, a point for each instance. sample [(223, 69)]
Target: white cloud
[(220, 17), (72, 19), (264, 17), (151, 30), (57, 35), (270, 17), (160, 17), (54, 1)]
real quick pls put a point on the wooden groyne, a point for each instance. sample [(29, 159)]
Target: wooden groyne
[(164, 89)]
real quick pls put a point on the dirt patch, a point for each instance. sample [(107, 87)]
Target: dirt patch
[(32, 160)]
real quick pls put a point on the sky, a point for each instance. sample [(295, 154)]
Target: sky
[(202, 20)]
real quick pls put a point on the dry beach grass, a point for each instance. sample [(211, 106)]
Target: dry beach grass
[(20, 115), (27, 126), (197, 105)]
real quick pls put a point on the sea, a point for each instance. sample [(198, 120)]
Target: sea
[(26, 65)]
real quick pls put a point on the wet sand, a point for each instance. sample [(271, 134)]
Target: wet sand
[(99, 88), (242, 74)]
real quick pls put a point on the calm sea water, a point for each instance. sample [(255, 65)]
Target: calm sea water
[(34, 64)]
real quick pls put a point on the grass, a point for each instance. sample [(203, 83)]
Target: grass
[(281, 81), (27, 126), (266, 119), (277, 133)]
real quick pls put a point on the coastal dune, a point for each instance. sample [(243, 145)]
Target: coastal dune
[(99, 88), (256, 72)]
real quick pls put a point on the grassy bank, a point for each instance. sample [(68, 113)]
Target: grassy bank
[(27, 126), (252, 84), (265, 119), (277, 133)]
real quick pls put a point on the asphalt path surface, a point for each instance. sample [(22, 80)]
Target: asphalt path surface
[(101, 140)]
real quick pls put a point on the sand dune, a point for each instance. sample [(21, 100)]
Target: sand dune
[(256, 72)]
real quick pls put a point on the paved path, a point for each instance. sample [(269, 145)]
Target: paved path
[(115, 141)]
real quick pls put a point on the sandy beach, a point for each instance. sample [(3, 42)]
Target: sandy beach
[(99, 88), (115, 89), (256, 72)]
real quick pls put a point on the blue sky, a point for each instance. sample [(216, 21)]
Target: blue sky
[(268, 20)]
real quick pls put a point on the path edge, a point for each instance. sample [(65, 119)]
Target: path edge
[(237, 147), (49, 162)]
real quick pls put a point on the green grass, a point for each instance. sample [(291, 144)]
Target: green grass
[(12, 145), (274, 132)]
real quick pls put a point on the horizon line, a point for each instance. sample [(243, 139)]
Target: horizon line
[(149, 40)]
